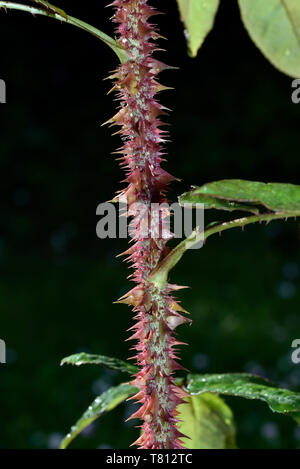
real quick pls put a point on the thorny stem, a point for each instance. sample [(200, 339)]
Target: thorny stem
[(156, 312)]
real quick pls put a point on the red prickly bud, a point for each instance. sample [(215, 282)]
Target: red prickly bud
[(156, 66), (176, 307), (175, 321), (175, 287), (118, 118), (134, 297), (128, 196)]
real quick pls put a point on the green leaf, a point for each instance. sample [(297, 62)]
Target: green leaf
[(198, 18), (104, 403), (268, 202), (251, 196), (46, 9), (87, 358), (247, 386), (208, 422), (190, 199), (274, 26)]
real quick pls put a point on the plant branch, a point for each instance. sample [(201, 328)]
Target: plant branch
[(63, 17), (159, 276)]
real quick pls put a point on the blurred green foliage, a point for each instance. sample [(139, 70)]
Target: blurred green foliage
[(232, 118)]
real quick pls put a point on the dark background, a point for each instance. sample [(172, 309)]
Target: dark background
[(232, 116)]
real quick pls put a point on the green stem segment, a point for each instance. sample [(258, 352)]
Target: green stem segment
[(160, 274), (63, 17)]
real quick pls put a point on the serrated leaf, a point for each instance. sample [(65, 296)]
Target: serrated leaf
[(251, 196), (198, 18), (249, 387), (82, 358), (207, 421), (104, 403), (274, 26)]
